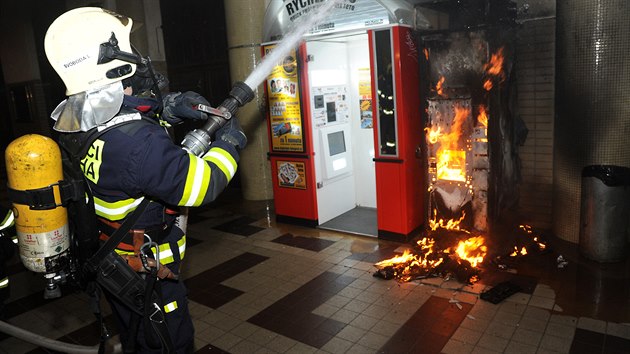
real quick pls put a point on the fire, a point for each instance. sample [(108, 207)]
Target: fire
[(426, 53), (516, 252), (482, 118), (427, 260), (451, 224), (494, 68), (451, 159), (454, 255), (433, 135), (451, 165), (407, 256), (439, 87), (541, 245), (528, 229), (408, 264), (472, 250), (487, 85)]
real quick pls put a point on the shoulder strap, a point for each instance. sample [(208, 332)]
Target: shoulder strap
[(78, 144), (74, 147)]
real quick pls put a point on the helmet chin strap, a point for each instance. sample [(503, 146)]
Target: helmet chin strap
[(156, 85)]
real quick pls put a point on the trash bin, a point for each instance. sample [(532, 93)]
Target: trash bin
[(605, 213)]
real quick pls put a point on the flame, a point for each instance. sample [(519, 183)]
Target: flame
[(403, 258), (487, 85), (439, 87), (536, 241), (451, 165), (433, 135), (472, 250), (451, 224), (494, 68), (426, 53), (451, 160), (483, 116), (516, 252), (427, 260), (407, 264), (528, 229)]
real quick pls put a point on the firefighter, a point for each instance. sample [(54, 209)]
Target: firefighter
[(135, 159), (8, 239)]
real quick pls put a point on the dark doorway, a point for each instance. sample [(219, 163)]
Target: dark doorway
[(196, 48)]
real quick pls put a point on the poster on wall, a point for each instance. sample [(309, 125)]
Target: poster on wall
[(366, 113), (330, 105), (284, 105), (365, 98), (291, 174)]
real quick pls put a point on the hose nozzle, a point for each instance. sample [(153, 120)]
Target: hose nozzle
[(198, 141), (240, 95)]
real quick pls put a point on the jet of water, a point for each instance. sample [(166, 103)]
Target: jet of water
[(258, 75)]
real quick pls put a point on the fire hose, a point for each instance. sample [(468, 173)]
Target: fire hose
[(47, 342)]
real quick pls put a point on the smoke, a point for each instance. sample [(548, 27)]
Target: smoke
[(307, 22), (459, 57)]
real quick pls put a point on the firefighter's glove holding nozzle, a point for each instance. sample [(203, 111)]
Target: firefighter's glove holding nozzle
[(232, 133), (180, 106)]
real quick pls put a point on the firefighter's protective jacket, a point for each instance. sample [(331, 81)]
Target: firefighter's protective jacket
[(139, 160)]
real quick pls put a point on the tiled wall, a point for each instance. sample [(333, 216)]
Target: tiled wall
[(535, 71)]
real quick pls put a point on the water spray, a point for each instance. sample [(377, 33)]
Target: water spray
[(198, 141)]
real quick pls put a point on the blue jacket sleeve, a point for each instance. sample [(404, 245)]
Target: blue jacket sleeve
[(179, 178)]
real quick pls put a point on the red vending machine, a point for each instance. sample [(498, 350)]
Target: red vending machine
[(345, 124), (399, 133)]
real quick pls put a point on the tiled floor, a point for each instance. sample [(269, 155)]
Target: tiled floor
[(260, 287)]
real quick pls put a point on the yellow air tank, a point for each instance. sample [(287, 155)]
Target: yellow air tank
[(33, 162)]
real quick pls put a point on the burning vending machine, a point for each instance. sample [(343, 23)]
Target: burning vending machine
[(458, 164), (468, 164)]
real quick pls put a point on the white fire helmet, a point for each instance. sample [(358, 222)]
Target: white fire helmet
[(73, 43)]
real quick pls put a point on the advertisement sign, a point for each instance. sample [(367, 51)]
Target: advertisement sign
[(287, 133), (291, 174), (330, 105), (346, 15), (365, 97)]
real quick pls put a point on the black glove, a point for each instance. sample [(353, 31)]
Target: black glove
[(232, 133), (179, 106)]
